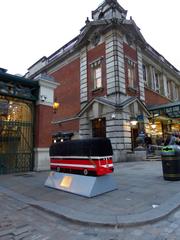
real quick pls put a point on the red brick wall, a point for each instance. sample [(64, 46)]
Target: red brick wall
[(153, 98), (93, 54), (69, 126), (43, 127), (132, 54), (68, 95)]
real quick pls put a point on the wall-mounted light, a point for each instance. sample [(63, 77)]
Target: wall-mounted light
[(133, 121), (55, 105), (153, 125), (113, 116)]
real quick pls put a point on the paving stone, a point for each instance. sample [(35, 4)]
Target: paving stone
[(7, 237), (6, 232), (22, 236), (138, 232), (20, 230), (20, 221)]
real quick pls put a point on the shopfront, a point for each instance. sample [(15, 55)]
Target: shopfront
[(165, 120)]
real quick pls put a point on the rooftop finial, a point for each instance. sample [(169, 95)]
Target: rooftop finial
[(111, 2), (87, 21)]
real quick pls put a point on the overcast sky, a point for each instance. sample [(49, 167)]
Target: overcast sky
[(31, 29)]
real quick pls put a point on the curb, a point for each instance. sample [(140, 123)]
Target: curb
[(147, 217)]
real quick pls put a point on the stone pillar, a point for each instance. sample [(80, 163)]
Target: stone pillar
[(116, 89), (83, 77), (43, 119), (119, 132), (140, 73), (85, 129)]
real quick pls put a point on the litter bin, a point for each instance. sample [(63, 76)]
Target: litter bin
[(170, 156)]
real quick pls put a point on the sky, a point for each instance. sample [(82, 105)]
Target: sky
[(31, 29)]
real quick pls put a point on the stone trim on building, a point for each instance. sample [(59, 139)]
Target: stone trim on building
[(140, 73), (42, 160), (115, 66), (83, 77)]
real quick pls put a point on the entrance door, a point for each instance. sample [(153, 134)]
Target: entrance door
[(16, 136), (134, 135), (99, 127)]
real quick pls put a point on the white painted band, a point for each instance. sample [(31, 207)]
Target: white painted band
[(82, 157)]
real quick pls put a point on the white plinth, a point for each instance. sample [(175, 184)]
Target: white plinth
[(82, 185)]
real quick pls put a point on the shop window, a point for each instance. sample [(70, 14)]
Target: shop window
[(4, 105), (14, 110), (96, 74), (132, 74)]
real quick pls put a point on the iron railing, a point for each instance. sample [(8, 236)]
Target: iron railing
[(16, 146)]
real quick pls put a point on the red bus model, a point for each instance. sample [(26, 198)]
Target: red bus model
[(91, 157)]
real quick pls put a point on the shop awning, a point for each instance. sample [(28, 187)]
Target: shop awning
[(171, 110)]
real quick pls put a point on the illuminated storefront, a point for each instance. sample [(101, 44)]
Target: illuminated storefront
[(17, 96), (165, 119)]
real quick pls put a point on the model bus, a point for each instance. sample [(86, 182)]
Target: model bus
[(91, 157)]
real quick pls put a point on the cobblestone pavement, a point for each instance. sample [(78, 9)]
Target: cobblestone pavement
[(140, 185), (19, 221)]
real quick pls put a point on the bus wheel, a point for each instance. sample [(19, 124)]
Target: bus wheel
[(85, 171), (58, 169)]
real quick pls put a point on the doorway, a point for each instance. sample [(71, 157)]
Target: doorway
[(99, 127), (134, 135)]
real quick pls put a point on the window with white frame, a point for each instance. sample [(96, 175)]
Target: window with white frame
[(165, 85), (169, 89), (144, 67), (132, 74), (96, 74), (155, 80), (174, 91), (177, 93)]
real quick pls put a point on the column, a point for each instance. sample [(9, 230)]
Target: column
[(43, 119)]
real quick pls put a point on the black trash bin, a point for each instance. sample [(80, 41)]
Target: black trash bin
[(170, 156)]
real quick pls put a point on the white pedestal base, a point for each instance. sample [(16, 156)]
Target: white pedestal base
[(82, 185)]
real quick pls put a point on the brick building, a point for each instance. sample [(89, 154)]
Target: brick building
[(108, 76)]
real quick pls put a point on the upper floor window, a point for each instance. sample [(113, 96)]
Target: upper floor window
[(165, 85), (168, 89), (144, 67), (96, 74), (155, 80), (174, 91), (132, 74)]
